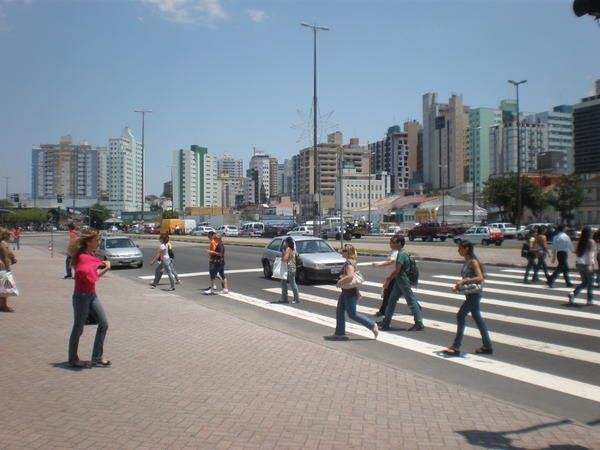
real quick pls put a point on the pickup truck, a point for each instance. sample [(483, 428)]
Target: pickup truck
[(430, 231)]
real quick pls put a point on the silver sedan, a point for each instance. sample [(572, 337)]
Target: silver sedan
[(120, 251)]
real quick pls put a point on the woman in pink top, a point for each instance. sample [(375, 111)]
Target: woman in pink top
[(88, 269)]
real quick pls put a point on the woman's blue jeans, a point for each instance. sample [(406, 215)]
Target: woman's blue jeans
[(291, 279), (82, 303), (347, 303), (471, 305), (158, 273), (587, 282)]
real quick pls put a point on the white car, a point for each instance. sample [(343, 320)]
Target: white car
[(508, 229), (301, 230), (202, 230), (228, 230), (485, 234)]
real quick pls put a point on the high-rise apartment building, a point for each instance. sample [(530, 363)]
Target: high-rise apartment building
[(273, 177), (586, 134), (124, 168), (444, 141), (227, 164), (194, 178), (557, 157), (71, 170), (478, 153), (229, 188), (261, 164), (503, 147)]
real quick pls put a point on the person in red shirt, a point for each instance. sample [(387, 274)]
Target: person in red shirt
[(72, 237), (16, 239), (88, 269)]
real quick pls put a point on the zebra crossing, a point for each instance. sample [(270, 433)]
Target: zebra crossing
[(509, 307)]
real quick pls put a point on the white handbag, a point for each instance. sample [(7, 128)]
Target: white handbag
[(357, 280), (280, 269), (8, 286)]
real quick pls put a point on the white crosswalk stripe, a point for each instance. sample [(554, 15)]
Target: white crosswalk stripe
[(572, 273), (509, 284), (490, 365)]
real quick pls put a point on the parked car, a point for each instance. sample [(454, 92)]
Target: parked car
[(301, 230), (228, 230), (430, 231), (508, 229), (250, 229), (317, 260), (151, 229), (335, 232), (522, 234), (485, 234), (202, 230), (120, 251)]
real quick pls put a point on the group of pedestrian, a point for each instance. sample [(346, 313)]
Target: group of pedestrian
[(587, 263)]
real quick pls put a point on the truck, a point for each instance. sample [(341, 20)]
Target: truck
[(189, 225), (430, 231), (168, 226)]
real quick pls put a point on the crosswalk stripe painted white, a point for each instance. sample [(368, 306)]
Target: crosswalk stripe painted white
[(519, 277), (554, 298), (490, 365), (488, 315), (572, 273), (201, 274), (530, 344), (511, 284)]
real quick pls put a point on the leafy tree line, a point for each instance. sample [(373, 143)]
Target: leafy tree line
[(502, 193)]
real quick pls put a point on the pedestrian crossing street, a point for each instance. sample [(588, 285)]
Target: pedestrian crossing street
[(520, 317)]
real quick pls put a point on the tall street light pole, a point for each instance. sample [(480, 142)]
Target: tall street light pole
[(473, 156), (518, 219), (143, 112), (317, 191)]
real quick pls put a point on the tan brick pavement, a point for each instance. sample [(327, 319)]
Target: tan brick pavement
[(185, 376)]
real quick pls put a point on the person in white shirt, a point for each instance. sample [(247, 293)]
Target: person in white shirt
[(561, 247), (162, 255), (586, 266)]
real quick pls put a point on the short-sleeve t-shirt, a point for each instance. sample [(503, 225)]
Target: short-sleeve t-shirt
[(403, 259), (212, 247), (164, 252), (86, 273)]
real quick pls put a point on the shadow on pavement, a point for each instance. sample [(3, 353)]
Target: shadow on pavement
[(65, 365), (500, 439)]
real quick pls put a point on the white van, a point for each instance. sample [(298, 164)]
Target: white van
[(255, 229), (189, 225)]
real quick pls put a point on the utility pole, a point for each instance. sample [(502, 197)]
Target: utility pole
[(518, 218)]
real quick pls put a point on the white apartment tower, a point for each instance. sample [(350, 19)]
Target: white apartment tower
[(195, 174), (124, 168), (231, 166)]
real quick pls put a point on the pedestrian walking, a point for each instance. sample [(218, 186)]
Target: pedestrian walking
[(162, 256), (217, 266), (596, 238), (531, 254), (541, 244), (68, 265), (212, 245), (7, 259), (385, 292), (561, 247), (16, 234), (171, 264), (586, 266), (86, 305), (289, 257), (348, 298), (401, 287), (471, 284)]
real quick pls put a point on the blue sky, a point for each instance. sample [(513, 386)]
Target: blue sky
[(231, 74)]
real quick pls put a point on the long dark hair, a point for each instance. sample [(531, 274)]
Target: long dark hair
[(290, 242), (79, 245), (584, 241), (470, 248)]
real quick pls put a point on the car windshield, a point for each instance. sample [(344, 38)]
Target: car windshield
[(314, 247), (119, 243)]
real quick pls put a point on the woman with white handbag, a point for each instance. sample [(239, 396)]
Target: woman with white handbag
[(289, 258), (471, 285), (7, 258), (349, 282)]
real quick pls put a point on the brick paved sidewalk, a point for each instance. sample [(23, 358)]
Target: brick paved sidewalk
[(185, 376)]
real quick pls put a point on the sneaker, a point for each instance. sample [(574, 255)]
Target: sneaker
[(209, 291), (417, 327), (383, 325), (177, 281), (571, 298), (379, 314), (152, 285), (295, 301), (590, 303), (375, 331), (225, 291), (66, 277)]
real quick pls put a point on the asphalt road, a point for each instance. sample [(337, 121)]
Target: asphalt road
[(547, 355)]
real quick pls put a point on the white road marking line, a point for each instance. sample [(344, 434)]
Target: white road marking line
[(201, 274), (494, 366), (511, 284), (554, 298), (520, 277), (491, 316), (514, 341), (572, 272)]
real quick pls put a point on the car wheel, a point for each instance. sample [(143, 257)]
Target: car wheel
[(358, 236), (140, 265), (411, 238), (457, 241), (430, 238), (267, 270), (443, 239), (301, 276), (485, 242), (498, 243)]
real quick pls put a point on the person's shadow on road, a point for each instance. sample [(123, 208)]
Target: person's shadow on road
[(65, 366)]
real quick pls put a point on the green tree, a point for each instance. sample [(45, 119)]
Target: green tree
[(6, 204), (26, 217), (98, 214), (567, 196), (168, 214), (502, 193)]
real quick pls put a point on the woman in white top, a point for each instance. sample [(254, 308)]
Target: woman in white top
[(162, 255), (586, 266)]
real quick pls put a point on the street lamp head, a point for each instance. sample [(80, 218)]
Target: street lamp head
[(516, 83), (142, 110), (314, 27)]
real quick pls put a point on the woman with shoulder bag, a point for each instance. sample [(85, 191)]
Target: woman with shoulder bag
[(470, 284), (349, 298), (7, 258), (289, 257), (586, 266), (532, 254)]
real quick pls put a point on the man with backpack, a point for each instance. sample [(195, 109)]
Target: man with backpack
[(405, 275)]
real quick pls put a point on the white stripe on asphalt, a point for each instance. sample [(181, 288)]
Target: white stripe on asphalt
[(201, 274), (518, 277), (530, 344), (492, 316), (511, 284), (572, 273), (523, 374)]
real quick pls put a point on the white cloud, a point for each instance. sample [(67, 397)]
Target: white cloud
[(257, 16), (208, 12)]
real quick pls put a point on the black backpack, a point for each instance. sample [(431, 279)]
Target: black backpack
[(413, 271), (171, 252), (525, 250)]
